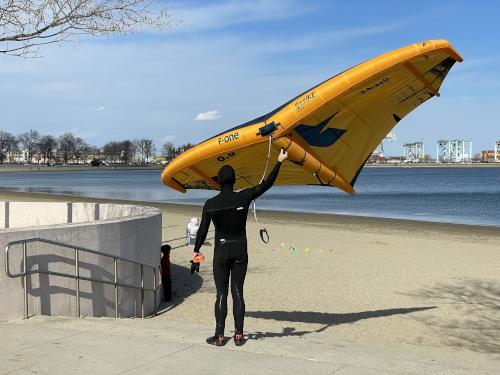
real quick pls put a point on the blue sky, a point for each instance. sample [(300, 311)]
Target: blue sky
[(232, 61)]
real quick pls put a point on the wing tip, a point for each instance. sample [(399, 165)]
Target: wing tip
[(173, 183)]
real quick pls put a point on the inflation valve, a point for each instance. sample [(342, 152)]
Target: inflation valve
[(267, 129)]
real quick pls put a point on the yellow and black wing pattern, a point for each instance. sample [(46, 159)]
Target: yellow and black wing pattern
[(329, 131)]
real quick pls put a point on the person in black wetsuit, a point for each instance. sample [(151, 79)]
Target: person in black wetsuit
[(228, 210)]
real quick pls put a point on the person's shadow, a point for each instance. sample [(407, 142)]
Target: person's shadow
[(325, 319), (184, 284)]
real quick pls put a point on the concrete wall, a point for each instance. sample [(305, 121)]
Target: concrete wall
[(127, 231)]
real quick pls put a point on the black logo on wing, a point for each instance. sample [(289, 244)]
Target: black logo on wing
[(317, 135)]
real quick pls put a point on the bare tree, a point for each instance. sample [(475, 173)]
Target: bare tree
[(112, 151), (137, 150), (127, 151), (26, 25), (82, 149), (147, 147), (47, 145), (95, 152), (183, 148), (29, 142), (168, 151), (8, 143), (139, 146), (67, 146)]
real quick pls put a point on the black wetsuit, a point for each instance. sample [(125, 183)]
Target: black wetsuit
[(228, 210)]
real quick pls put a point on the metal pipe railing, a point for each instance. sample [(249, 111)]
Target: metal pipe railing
[(76, 276)]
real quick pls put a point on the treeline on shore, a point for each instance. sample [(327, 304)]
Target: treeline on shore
[(35, 148)]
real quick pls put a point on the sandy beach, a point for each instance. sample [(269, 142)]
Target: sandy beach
[(363, 280)]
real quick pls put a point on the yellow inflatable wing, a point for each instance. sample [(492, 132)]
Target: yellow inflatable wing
[(329, 131)]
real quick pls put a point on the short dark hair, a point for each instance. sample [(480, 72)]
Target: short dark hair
[(165, 249)]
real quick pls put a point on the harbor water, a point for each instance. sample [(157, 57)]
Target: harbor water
[(454, 195)]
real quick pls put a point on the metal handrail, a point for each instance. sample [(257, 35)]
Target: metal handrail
[(25, 273)]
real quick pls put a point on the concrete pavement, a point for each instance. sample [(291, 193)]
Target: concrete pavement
[(55, 345)]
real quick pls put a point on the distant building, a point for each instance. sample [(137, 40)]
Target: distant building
[(497, 152), (488, 156), (160, 160), (377, 155), (456, 151), (19, 157), (395, 160), (414, 152)]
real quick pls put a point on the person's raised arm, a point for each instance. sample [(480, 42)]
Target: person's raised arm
[(201, 236), (266, 184)]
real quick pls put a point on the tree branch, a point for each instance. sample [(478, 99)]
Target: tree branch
[(25, 25)]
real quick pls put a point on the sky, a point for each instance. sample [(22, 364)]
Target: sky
[(227, 62)]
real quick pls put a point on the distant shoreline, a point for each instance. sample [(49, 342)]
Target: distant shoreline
[(435, 165), (9, 168)]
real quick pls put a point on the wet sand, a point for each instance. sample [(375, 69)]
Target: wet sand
[(356, 279)]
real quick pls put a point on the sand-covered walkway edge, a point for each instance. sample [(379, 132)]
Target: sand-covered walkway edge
[(366, 281)]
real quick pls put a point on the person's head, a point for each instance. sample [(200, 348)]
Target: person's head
[(165, 249), (226, 176)]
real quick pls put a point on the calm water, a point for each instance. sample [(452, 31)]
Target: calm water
[(457, 195)]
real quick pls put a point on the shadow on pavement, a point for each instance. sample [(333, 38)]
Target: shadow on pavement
[(326, 319), (183, 285)]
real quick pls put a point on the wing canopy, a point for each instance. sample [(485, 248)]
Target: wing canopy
[(332, 128)]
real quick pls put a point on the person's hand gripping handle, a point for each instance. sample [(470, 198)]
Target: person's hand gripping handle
[(283, 155)]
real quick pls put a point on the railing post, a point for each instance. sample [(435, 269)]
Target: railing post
[(77, 276), (97, 212), (116, 287), (154, 291), (70, 213), (142, 291), (7, 215), (25, 279)]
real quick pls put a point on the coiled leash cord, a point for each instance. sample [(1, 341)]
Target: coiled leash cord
[(264, 236)]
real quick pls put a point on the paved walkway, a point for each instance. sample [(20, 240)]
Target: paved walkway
[(51, 345)]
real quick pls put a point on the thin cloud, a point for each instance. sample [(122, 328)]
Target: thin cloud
[(317, 39), (208, 116), (100, 109), (218, 16)]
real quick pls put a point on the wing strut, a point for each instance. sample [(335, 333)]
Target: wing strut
[(312, 165), (421, 78), (206, 177)]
